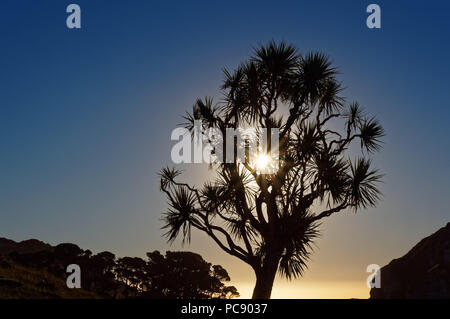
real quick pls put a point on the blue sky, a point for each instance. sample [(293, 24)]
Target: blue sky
[(86, 115)]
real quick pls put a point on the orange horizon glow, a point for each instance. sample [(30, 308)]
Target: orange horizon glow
[(311, 290)]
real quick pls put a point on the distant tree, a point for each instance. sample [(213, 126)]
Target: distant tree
[(99, 275), (272, 219), (132, 271), (186, 275)]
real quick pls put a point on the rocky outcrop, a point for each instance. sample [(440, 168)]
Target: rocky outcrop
[(424, 272)]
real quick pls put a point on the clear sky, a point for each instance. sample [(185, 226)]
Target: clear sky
[(86, 116)]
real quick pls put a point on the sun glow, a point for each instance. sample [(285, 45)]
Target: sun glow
[(262, 161)]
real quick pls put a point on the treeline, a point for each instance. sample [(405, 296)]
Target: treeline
[(175, 275)]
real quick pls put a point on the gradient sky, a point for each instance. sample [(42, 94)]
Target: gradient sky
[(86, 116)]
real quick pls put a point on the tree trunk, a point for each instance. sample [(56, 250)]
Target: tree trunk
[(265, 277)]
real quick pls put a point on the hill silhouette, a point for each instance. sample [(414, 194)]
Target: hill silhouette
[(27, 246), (19, 282), (424, 272), (34, 269)]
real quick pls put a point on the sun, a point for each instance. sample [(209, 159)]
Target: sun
[(262, 161)]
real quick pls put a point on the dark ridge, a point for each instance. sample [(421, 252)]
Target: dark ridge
[(8, 246), (424, 272)]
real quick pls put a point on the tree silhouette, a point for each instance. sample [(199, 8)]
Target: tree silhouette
[(180, 274), (186, 275), (269, 221)]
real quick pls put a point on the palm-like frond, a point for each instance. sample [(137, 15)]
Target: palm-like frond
[(331, 176), (276, 59), (240, 228), (371, 132), (299, 235), (234, 181), (307, 142), (233, 80), (236, 94), (363, 184), (202, 110), (354, 115), (329, 99), (212, 195), (167, 176), (315, 73), (180, 215), (254, 91)]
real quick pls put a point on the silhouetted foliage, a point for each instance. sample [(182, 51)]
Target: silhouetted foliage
[(269, 221), (186, 275), (176, 275)]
